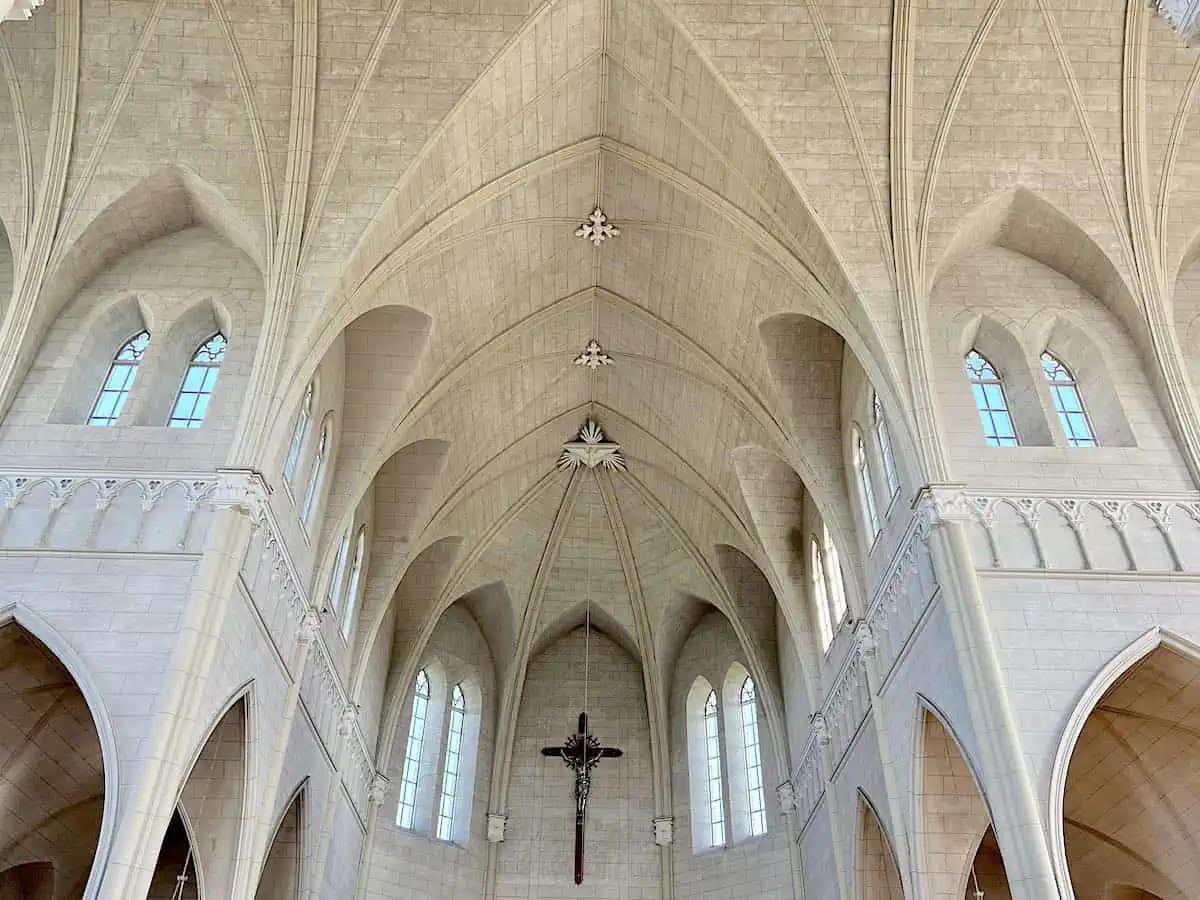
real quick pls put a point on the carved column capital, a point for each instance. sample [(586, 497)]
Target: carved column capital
[(496, 823), (664, 831)]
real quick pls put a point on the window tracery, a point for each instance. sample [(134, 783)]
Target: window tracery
[(119, 381), (191, 403), (987, 388), (1068, 403)]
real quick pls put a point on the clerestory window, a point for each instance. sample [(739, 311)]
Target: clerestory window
[(884, 438), (1068, 403), (317, 474), (452, 765), (299, 433), (406, 812), (866, 490), (988, 390), (119, 381), (757, 801), (195, 393), (712, 756), (352, 584), (829, 587)]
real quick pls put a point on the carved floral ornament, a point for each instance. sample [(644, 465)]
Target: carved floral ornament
[(18, 10), (596, 229), (593, 356)]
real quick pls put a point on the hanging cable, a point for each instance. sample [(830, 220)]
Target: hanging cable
[(975, 878), (587, 619)]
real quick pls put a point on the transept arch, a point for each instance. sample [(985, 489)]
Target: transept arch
[(49, 680), (1126, 755)]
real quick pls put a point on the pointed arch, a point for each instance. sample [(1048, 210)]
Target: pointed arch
[(952, 815), (1134, 708), (282, 870), (63, 654), (1022, 221), (877, 871)]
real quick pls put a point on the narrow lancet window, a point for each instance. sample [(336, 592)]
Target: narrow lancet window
[(816, 564), (299, 433), (119, 381), (866, 489), (196, 391), (406, 813), (988, 391), (351, 605), (837, 583), (1068, 403), (712, 752), (333, 594), (317, 474), (748, 702), (450, 771), (884, 438)]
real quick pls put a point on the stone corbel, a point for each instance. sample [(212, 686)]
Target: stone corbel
[(786, 792), (377, 792), (942, 504), (664, 831), (864, 638), (349, 719), (820, 729), (310, 627), (496, 823), (242, 490)]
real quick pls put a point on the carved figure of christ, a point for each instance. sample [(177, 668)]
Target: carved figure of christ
[(581, 752)]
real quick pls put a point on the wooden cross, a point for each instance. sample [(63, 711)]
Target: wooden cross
[(581, 751)]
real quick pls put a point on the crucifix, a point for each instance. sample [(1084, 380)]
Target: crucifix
[(581, 751)]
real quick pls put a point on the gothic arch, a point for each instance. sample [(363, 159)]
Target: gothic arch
[(877, 873), (63, 654), (282, 873), (1164, 667), (951, 812)]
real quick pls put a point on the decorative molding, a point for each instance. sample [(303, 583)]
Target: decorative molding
[(785, 792), (820, 729), (664, 831), (496, 823), (591, 449), (593, 356), (597, 228), (18, 10), (940, 504), (378, 790), (243, 490)]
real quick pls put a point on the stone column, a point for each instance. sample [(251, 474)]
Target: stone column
[(1010, 793), (177, 727)]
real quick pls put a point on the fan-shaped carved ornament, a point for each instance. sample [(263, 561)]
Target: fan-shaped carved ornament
[(591, 449)]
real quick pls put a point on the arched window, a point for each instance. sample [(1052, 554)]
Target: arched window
[(196, 391), (884, 439), (450, 770), (829, 588), (333, 593), (317, 475), (351, 606), (406, 813), (1068, 403), (866, 490), (988, 391), (299, 433), (119, 381), (816, 564), (712, 756), (748, 703)]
